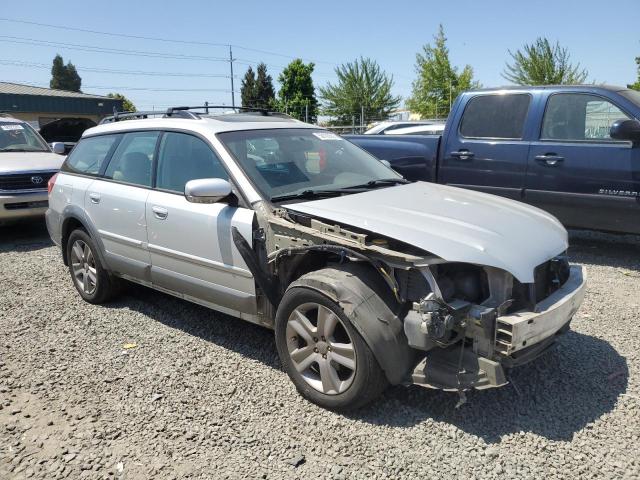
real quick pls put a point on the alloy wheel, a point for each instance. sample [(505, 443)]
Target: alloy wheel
[(83, 266)]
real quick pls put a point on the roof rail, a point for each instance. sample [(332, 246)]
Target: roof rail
[(185, 112)]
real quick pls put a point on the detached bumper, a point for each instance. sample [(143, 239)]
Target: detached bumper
[(22, 205)]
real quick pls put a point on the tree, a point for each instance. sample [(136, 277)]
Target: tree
[(438, 83), (126, 103), (64, 77), (248, 88), (297, 93), (362, 86), (541, 63), (636, 86), (265, 95)]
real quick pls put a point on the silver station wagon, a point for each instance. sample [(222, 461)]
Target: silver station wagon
[(366, 278)]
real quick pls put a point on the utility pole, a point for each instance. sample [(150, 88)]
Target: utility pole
[(361, 118), (306, 112), (233, 96), (450, 93)]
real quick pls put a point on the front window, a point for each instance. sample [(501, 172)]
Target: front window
[(292, 161), (20, 137)]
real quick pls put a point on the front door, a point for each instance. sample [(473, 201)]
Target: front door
[(577, 172), (487, 152), (116, 205), (191, 245)]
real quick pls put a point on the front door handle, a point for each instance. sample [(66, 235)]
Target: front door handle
[(549, 159), (462, 154), (94, 197), (160, 213)]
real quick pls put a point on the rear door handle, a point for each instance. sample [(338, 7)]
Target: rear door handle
[(94, 197), (160, 213), (550, 159), (462, 155)]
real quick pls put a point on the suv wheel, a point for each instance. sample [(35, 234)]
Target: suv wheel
[(93, 282), (325, 357)]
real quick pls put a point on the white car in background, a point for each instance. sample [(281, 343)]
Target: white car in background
[(386, 127), (26, 165), (432, 129)]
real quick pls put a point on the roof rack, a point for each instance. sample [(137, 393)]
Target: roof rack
[(185, 112)]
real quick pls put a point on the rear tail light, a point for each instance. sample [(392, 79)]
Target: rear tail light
[(51, 183)]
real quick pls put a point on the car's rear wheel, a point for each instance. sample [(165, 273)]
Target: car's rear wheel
[(91, 279), (323, 354)]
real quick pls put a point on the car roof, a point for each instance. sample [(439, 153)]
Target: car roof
[(11, 119), (203, 124), (612, 88)]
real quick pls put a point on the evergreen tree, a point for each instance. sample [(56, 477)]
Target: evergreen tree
[(248, 89), (64, 77), (438, 83), (362, 86), (264, 92), (297, 93), (543, 64)]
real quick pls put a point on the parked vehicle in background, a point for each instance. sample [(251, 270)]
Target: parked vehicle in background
[(26, 165), (367, 279), (66, 130), (573, 151), (433, 129), (387, 126)]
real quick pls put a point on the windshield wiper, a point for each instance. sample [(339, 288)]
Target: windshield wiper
[(381, 182), (308, 194)]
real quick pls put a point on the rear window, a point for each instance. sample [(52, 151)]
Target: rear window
[(495, 116), (89, 154)]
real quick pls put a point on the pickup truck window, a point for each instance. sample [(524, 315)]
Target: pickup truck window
[(579, 117), (495, 116)]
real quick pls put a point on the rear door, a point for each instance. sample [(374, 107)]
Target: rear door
[(191, 244), (116, 204), (487, 150), (577, 172)]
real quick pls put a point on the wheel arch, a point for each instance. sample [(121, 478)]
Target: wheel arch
[(370, 307), (73, 220)]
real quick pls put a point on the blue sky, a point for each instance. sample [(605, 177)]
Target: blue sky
[(604, 38)]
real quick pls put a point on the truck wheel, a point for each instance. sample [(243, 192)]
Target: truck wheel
[(93, 282), (325, 357)]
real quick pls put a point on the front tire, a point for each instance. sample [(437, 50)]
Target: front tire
[(91, 279), (326, 358)]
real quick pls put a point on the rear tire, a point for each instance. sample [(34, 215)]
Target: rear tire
[(93, 282), (326, 358)]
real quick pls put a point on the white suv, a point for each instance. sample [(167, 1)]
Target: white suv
[(367, 279)]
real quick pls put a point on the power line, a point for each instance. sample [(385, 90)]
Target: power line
[(157, 39), (150, 89)]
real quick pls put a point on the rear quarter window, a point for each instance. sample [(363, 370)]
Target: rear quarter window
[(89, 154), (499, 116)]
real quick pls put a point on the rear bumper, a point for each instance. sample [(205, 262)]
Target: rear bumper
[(22, 205)]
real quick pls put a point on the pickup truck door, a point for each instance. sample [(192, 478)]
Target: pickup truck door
[(191, 245), (577, 172), (484, 148)]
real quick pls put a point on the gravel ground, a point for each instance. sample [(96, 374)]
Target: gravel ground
[(201, 395)]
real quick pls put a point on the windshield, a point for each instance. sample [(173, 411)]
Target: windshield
[(290, 161), (20, 137), (632, 95)]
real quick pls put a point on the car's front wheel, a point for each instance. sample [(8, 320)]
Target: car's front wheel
[(91, 279), (326, 358)]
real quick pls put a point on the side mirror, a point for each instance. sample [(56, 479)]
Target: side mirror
[(386, 163), (207, 190), (58, 147), (626, 130)]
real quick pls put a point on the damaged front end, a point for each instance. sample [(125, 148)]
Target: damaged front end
[(455, 325)]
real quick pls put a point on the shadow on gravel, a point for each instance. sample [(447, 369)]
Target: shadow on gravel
[(24, 236), (555, 396), (605, 249)]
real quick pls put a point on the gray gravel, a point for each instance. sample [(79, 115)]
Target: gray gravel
[(201, 395)]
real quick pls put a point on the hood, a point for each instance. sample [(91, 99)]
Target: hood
[(18, 162), (454, 224)]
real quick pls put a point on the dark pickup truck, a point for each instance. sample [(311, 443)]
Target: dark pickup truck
[(573, 151)]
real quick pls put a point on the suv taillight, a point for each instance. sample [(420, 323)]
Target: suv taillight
[(51, 183)]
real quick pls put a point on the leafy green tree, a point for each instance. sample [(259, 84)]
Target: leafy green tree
[(438, 82), (636, 86), (64, 77), (541, 63), (126, 103), (265, 94), (362, 85), (297, 92), (248, 88)]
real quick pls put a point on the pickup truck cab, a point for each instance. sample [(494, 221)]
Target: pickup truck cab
[(573, 151)]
